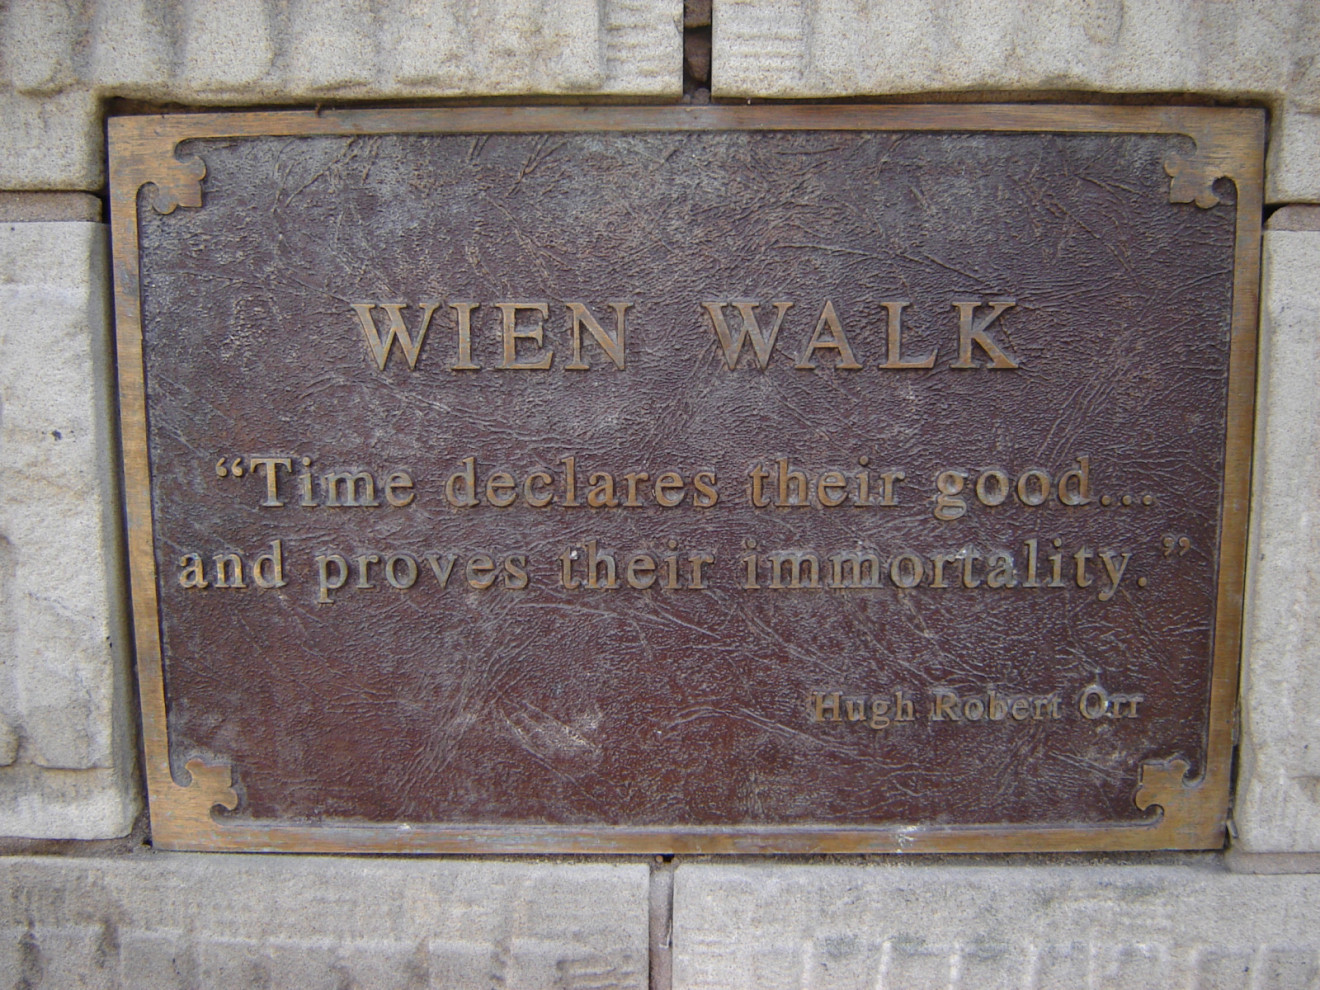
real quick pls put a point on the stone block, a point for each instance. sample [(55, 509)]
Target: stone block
[(502, 47), (1296, 216), (38, 45), (64, 689), (58, 60), (943, 926), (333, 47), (1270, 863), (227, 44), (128, 45), (1292, 168), (1278, 801), (834, 48), (49, 206), (184, 920), (52, 141)]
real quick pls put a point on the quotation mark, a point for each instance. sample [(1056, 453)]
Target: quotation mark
[(1176, 546)]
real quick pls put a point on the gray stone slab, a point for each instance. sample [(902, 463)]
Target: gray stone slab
[(58, 60), (184, 920), (833, 47), (1272, 863), (1278, 801), (51, 141), (830, 48), (49, 206), (1292, 167), (916, 926), (66, 749), (1295, 217)]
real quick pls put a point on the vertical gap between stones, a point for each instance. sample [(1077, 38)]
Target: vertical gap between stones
[(696, 50), (661, 923)]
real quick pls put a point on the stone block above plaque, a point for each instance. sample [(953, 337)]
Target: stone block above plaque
[(678, 480)]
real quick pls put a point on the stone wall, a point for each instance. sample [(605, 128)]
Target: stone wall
[(83, 902)]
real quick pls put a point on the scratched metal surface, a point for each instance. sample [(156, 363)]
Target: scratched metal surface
[(685, 707)]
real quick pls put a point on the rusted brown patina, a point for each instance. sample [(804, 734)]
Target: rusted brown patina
[(944, 555)]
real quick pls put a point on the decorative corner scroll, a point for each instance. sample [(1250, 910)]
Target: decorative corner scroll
[(1192, 176), (1191, 180), (188, 809), (1163, 784), (179, 185)]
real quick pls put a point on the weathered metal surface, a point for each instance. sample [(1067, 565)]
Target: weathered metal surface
[(951, 561)]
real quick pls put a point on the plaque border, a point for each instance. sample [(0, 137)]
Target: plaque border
[(145, 172)]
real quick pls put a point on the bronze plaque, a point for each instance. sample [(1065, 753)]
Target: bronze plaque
[(796, 479)]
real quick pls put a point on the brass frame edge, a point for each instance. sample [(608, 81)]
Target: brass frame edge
[(1229, 143)]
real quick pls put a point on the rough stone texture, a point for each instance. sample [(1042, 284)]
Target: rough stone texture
[(65, 747), (50, 141), (59, 57), (158, 920), (1246, 862), (1278, 802), (818, 48), (916, 926), (184, 921), (1295, 217), (1293, 166), (49, 206)]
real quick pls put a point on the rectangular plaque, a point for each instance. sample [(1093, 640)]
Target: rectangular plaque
[(773, 479)]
